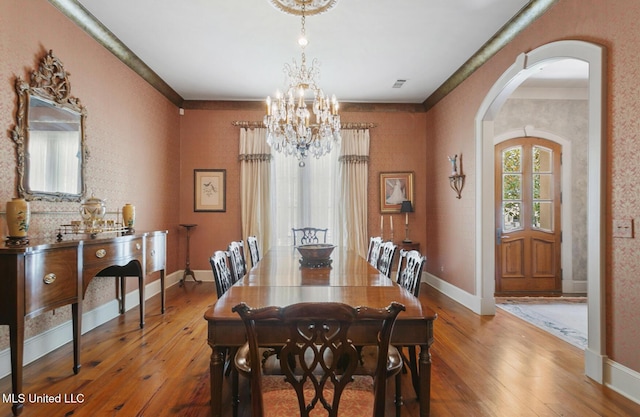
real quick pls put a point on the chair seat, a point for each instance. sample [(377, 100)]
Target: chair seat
[(367, 366), (281, 401)]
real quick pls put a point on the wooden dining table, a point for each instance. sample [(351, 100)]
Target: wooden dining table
[(279, 279)]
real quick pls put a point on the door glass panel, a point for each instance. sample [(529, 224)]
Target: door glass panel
[(543, 215), (512, 159), (511, 216), (542, 186), (542, 159), (542, 182), (512, 187)]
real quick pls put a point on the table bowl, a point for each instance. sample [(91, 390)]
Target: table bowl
[(316, 254)]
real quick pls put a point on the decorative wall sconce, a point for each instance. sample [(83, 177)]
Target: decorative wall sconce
[(456, 180)]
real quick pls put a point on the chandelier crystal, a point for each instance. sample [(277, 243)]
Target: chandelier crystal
[(295, 127)]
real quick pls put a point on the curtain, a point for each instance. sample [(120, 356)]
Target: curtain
[(304, 196), (351, 190), (255, 193)]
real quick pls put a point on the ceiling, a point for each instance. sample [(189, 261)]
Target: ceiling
[(236, 50)]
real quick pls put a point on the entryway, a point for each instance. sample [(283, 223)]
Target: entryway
[(526, 64)]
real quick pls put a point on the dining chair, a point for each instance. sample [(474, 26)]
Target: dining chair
[(373, 254), (221, 272), (309, 235), (237, 260), (318, 359), (387, 252), (409, 275), (223, 278), (254, 252)]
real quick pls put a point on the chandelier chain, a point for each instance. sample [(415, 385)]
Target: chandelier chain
[(303, 19)]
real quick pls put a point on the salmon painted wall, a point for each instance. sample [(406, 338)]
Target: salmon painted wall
[(613, 25), (132, 134), (210, 141)]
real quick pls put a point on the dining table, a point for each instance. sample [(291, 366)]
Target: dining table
[(281, 279)]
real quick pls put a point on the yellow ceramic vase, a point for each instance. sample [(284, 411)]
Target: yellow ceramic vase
[(129, 215), (18, 217)]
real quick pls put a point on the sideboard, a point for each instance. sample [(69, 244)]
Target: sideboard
[(43, 276)]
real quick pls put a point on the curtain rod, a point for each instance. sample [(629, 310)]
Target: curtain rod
[(346, 126)]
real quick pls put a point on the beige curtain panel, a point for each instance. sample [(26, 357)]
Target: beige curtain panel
[(255, 180), (352, 190)]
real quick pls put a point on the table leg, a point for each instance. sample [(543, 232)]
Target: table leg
[(216, 371), (413, 367), (425, 380)]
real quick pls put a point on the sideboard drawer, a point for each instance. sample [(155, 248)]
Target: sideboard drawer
[(114, 252), (51, 280)]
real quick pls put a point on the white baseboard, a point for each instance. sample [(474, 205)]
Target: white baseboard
[(594, 365), (623, 380), (49, 340), (470, 301), (205, 275)]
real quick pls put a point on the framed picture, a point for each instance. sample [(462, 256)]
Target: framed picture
[(395, 187), (210, 189)]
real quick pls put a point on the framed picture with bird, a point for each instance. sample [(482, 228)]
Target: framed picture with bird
[(209, 189)]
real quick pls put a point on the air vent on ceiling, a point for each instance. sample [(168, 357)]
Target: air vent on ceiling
[(399, 83)]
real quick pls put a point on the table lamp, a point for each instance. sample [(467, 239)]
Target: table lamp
[(406, 208)]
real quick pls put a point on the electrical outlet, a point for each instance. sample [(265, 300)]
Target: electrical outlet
[(623, 228)]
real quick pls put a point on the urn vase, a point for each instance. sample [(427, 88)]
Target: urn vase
[(18, 217), (129, 215)]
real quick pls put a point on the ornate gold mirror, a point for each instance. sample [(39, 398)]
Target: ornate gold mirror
[(49, 135)]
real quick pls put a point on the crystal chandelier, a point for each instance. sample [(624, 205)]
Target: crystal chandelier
[(291, 127)]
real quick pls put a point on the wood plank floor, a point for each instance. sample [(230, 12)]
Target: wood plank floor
[(482, 366)]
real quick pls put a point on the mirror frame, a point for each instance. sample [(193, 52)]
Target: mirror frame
[(50, 83)]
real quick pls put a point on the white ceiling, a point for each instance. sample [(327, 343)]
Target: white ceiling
[(236, 49)]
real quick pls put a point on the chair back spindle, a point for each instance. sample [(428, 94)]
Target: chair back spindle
[(387, 253), (254, 252), (373, 254)]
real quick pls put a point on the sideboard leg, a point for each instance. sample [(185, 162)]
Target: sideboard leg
[(16, 334), (76, 313)]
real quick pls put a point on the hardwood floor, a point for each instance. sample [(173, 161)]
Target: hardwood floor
[(482, 366)]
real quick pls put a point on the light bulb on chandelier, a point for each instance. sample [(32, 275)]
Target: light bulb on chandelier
[(289, 123)]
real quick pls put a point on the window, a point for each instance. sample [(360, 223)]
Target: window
[(304, 196)]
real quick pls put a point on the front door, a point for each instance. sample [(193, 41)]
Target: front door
[(528, 222)]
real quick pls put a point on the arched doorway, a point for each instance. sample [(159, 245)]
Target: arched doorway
[(524, 66)]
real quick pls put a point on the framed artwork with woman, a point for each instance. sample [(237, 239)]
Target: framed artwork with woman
[(395, 187)]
